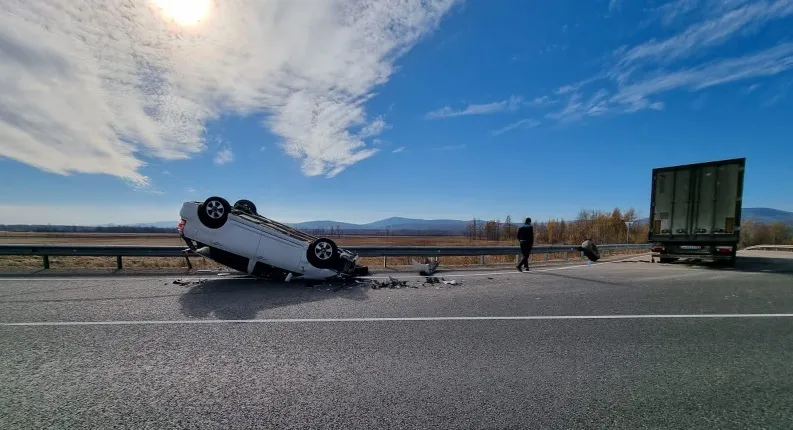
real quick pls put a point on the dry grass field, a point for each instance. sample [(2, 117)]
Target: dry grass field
[(20, 262)]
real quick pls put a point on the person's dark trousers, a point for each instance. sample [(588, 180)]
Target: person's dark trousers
[(525, 249)]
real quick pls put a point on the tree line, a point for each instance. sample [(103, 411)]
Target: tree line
[(610, 227), (600, 226)]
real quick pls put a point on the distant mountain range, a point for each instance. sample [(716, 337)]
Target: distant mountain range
[(450, 226), (394, 224), (767, 215)]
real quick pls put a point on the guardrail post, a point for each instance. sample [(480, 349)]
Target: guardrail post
[(566, 256), (385, 261), (582, 255), (517, 258), (482, 260), (119, 266), (546, 257), (46, 260)]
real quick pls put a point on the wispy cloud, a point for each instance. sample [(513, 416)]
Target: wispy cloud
[(512, 103), (640, 74), (374, 128), (540, 101), (614, 5), (91, 88), (398, 150), (449, 148), (765, 63), (166, 173), (711, 32), (577, 108), (566, 89), (190, 190), (751, 88), (672, 11), (224, 156), (524, 123)]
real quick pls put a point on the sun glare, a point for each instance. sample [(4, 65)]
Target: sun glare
[(184, 12)]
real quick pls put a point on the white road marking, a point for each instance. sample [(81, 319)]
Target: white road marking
[(393, 319)]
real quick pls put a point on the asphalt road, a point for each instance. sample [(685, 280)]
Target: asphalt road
[(144, 352)]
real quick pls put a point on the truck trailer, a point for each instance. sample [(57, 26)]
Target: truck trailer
[(695, 211)]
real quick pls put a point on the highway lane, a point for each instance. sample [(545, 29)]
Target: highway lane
[(615, 373)]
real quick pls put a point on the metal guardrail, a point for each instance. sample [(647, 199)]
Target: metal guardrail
[(119, 251), (769, 248)]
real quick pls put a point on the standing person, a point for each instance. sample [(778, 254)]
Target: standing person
[(526, 238)]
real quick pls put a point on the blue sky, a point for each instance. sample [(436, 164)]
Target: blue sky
[(437, 110)]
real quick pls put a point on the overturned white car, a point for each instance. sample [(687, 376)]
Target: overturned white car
[(238, 237)]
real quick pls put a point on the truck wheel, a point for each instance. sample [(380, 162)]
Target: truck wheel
[(246, 206), (322, 253), (590, 250), (214, 212)]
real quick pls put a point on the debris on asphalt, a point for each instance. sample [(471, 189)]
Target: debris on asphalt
[(431, 280), (188, 283), (426, 268), (390, 283)]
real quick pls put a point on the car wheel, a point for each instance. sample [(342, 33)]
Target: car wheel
[(590, 250), (322, 253), (667, 260), (214, 212), (246, 206)]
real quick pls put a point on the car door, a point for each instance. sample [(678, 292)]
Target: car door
[(278, 250), (238, 238)]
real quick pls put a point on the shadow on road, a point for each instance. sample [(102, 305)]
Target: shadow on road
[(241, 299), (747, 264), (595, 281)]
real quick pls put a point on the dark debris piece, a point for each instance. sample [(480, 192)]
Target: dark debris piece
[(390, 283), (186, 283)]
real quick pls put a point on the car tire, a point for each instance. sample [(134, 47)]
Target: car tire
[(214, 212), (590, 250), (667, 260), (246, 206), (323, 253)]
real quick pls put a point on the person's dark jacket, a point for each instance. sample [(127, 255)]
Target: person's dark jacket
[(526, 233)]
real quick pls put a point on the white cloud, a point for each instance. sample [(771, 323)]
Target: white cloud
[(524, 123), (190, 190), (224, 156), (709, 33), (166, 173), (751, 88), (674, 10), (94, 86), (512, 103), (374, 128), (765, 63), (540, 101), (398, 150), (614, 5), (647, 70), (566, 89)]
